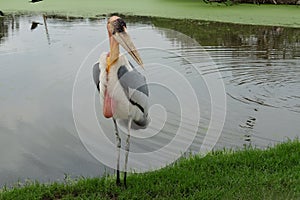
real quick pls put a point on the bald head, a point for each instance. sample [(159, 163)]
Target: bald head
[(117, 32), (113, 18), (115, 24)]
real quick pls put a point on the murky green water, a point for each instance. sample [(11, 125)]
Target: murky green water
[(260, 67)]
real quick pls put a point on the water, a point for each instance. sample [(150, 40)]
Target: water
[(260, 68)]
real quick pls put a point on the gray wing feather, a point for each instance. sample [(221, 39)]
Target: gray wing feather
[(96, 75), (135, 87)]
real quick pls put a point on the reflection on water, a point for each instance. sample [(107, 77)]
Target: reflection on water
[(247, 40), (260, 67), (46, 29), (3, 29)]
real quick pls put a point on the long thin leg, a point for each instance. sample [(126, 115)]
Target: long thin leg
[(118, 144), (127, 151)]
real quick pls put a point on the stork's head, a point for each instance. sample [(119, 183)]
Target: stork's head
[(117, 32)]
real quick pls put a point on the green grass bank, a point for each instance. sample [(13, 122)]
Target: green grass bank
[(273, 173), (274, 15)]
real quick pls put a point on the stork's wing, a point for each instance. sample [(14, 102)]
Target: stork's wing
[(135, 87), (96, 75)]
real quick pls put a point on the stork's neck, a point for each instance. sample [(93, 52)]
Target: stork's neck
[(114, 50)]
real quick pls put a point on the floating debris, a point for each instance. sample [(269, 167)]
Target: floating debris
[(1, 13)]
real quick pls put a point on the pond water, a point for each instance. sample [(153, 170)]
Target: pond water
[(42, 68)]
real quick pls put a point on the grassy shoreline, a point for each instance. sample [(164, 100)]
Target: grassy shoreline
[(247, 174), (273, 173), (272, 15)]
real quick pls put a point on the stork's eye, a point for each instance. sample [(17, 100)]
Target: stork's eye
[(119, 25)]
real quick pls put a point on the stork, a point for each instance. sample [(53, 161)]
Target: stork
[(123, 90)]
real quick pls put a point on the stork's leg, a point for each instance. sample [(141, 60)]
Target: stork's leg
[(118, 144), (127, 151)]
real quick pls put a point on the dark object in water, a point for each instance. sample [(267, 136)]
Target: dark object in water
[(34, 1), (1, 13), (34, 25)]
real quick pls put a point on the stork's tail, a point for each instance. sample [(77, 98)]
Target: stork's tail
[(142, 124)]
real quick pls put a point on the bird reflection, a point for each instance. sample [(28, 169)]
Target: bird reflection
[(34, 25), (35, 1)]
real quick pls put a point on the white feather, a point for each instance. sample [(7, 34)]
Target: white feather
[(123, 108)]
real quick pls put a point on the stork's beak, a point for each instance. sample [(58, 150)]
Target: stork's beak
[(125, 41)]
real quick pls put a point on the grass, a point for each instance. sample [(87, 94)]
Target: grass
[(275, 15), (273, 173)]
